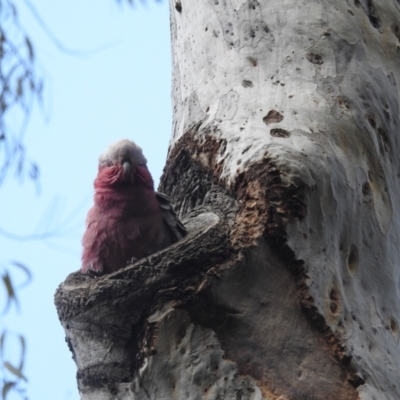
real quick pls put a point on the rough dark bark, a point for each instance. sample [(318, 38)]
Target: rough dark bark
[(234, 298)]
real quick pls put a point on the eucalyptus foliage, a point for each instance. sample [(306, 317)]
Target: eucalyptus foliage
[(20, 86)]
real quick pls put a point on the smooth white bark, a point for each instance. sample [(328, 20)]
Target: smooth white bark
[(329, 72)]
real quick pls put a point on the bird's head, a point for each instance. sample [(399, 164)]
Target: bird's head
[(123, 161)]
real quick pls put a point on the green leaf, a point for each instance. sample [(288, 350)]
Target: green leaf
[(2, 338), (6, 388), (11, 296), (34, 171), (27, 273), (14, 370), (30, 48), (19, 91), (23, 347)]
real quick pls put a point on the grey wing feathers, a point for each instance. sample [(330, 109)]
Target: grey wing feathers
[(175, 227)]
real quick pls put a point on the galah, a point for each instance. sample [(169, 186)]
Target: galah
[(129, 220)]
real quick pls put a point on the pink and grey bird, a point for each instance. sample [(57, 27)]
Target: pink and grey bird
[(129, 220)]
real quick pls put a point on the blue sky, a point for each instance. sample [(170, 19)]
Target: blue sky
[(91, 100)]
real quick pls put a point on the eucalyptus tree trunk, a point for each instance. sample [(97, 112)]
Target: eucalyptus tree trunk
[(284, 164)]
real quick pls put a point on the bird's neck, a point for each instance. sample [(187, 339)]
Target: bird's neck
[(125, 194), (114, 178), (112, 187)]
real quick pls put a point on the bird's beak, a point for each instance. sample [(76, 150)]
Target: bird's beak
[(126, 165)]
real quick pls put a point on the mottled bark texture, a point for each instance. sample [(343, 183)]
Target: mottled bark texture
[(284, 163)]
